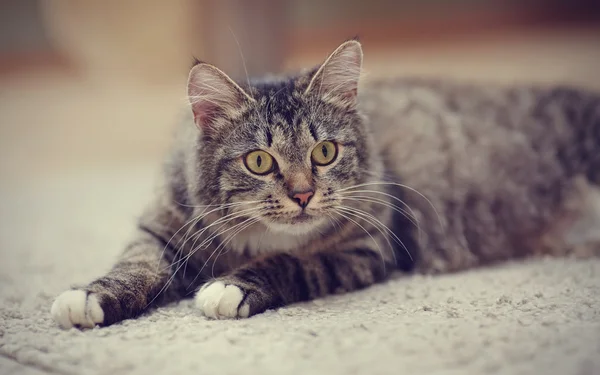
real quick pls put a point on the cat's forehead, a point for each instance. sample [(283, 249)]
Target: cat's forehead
[(284, 127), (281, 113), (278, 99), (282, 119)]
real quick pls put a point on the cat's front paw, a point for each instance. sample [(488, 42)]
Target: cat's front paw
[(77, 308), (220, 300)]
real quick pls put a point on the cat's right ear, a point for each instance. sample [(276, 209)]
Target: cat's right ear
[(336, 80), (214, 97)]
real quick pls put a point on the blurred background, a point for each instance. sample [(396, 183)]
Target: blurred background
[(87, 85)]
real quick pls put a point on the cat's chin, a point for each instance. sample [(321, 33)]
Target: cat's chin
[(298, 227)]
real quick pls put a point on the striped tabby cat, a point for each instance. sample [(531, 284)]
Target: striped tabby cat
[(295, 188)]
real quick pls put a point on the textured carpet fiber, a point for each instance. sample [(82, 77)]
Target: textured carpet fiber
[(536, 317)]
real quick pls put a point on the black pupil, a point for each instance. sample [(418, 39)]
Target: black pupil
[(324, 150), (258, 161)]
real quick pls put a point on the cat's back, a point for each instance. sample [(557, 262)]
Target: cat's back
[(452, 132), (497, 162), (410, 108), (472, 131)]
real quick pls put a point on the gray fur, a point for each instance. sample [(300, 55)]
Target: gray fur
[(463, 175)]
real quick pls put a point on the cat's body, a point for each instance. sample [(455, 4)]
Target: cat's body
[(508, 169), (461, 176)]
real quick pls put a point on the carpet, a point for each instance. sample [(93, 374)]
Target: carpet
[(532, 317)]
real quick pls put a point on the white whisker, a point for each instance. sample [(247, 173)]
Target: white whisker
[(218, 205), (183, 260), (244, 224), (365, 198), (230, 238), (223, 221), (239, 214), (370, 217), (344, 215), (192, 222), (399, 185), (180, 246), (412, 218)]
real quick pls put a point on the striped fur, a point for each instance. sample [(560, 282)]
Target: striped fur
[(432, 176)]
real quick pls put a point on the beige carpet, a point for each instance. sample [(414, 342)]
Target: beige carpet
[(537, 317)]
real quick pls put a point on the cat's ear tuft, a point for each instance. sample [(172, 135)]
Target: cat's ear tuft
[(214, 96), (336, 81), (196, 61)]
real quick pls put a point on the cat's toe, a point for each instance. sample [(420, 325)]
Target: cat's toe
[(77, 308), (218, 300)]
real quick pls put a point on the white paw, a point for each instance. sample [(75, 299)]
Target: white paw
[(77, 308), (219, 301)]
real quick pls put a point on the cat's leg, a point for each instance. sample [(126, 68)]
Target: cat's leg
[(282, 279), (125, 291)]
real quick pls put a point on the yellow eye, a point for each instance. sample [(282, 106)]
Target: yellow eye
[(324, 153), (259, 162)]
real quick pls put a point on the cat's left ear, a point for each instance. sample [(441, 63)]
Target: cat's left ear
[(336, 80), (215, 98)]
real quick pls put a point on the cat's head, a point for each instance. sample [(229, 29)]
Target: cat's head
[(280, 150)]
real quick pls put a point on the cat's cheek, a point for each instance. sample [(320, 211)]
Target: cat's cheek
[(218, 300)]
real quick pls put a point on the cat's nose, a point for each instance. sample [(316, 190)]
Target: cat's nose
[(302, 198)]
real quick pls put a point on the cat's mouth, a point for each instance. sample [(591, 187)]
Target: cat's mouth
[(301, 222), (291, 218), (303, 217)]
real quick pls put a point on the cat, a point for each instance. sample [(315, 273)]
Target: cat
[(292, 188)]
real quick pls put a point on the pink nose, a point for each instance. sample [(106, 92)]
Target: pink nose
[(303, 198)]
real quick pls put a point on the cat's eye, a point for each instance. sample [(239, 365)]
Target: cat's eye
[(259, 162), (324, 153)]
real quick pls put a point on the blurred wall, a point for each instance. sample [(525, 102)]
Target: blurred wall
[(243, 36), (85, 84), (144, 40)]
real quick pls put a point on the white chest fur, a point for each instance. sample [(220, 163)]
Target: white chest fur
[(259, 238)]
